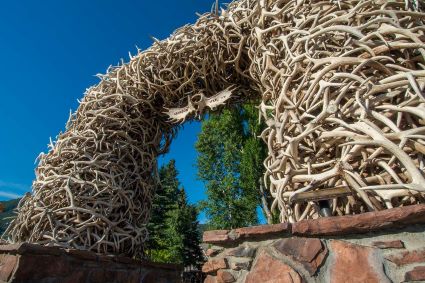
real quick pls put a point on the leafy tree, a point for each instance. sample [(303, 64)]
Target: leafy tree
[(230, 163), (253, 154)]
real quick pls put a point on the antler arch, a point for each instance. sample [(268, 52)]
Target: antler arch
[(341, 89)]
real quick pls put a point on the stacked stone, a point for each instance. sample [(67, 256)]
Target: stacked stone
[(34, 263), (281, 253)]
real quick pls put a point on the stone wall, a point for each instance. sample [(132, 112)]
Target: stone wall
[(384, 246), (33, 263)]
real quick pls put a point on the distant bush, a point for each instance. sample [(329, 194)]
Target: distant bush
[(7, 213)]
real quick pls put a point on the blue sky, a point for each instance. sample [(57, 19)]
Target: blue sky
[(49, 54)]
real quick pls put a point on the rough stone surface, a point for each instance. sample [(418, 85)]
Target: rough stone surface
[(416, 274), (7, 266), (88, 255), (407, 257), (214, 265), (240, 263), (213, 252), (354, 264), (361, 223), (372, 247), (25, 248), (326, 226), (396, 244), (215, 236), (309, 252), (225, 277), (33, 263), (253, 232), (269, 270), (210, 279), (242, 251), (261, 230)]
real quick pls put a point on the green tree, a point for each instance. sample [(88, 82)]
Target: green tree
[(173, 227), (253, 154), (230, 164), (164, 202), (188, 227)]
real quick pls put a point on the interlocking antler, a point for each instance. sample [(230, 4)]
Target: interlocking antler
[(341, 87)]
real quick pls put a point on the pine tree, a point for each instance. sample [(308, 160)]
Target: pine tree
[(188, 228), (163, 205), (174, 233)]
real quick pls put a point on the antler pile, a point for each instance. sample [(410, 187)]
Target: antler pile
[(344, 86), (342, 93)]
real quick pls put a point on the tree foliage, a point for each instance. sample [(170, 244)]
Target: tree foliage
[(173, 227), (230, 164), (188, 227), (253, 154)]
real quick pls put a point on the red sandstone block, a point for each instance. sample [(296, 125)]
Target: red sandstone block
[(355, 264), (416, 274), (210, 279), (407, 257), (337, 225), (81, 254), (107, 275), (126, 260), (50, 264), (396, 244), (28, 248), (7, 266), (214, 265), (269, 269), (10, 248), (256, 231), (225, 277), (33, 267), (75, 276), (225, 236), (215, 236), (307, 251), (105, 258), (366, 222)]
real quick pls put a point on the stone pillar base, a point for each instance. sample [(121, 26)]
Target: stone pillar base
[(383, 246), (34, 263)]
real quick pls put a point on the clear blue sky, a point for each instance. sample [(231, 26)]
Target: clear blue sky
[(49, 54)]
